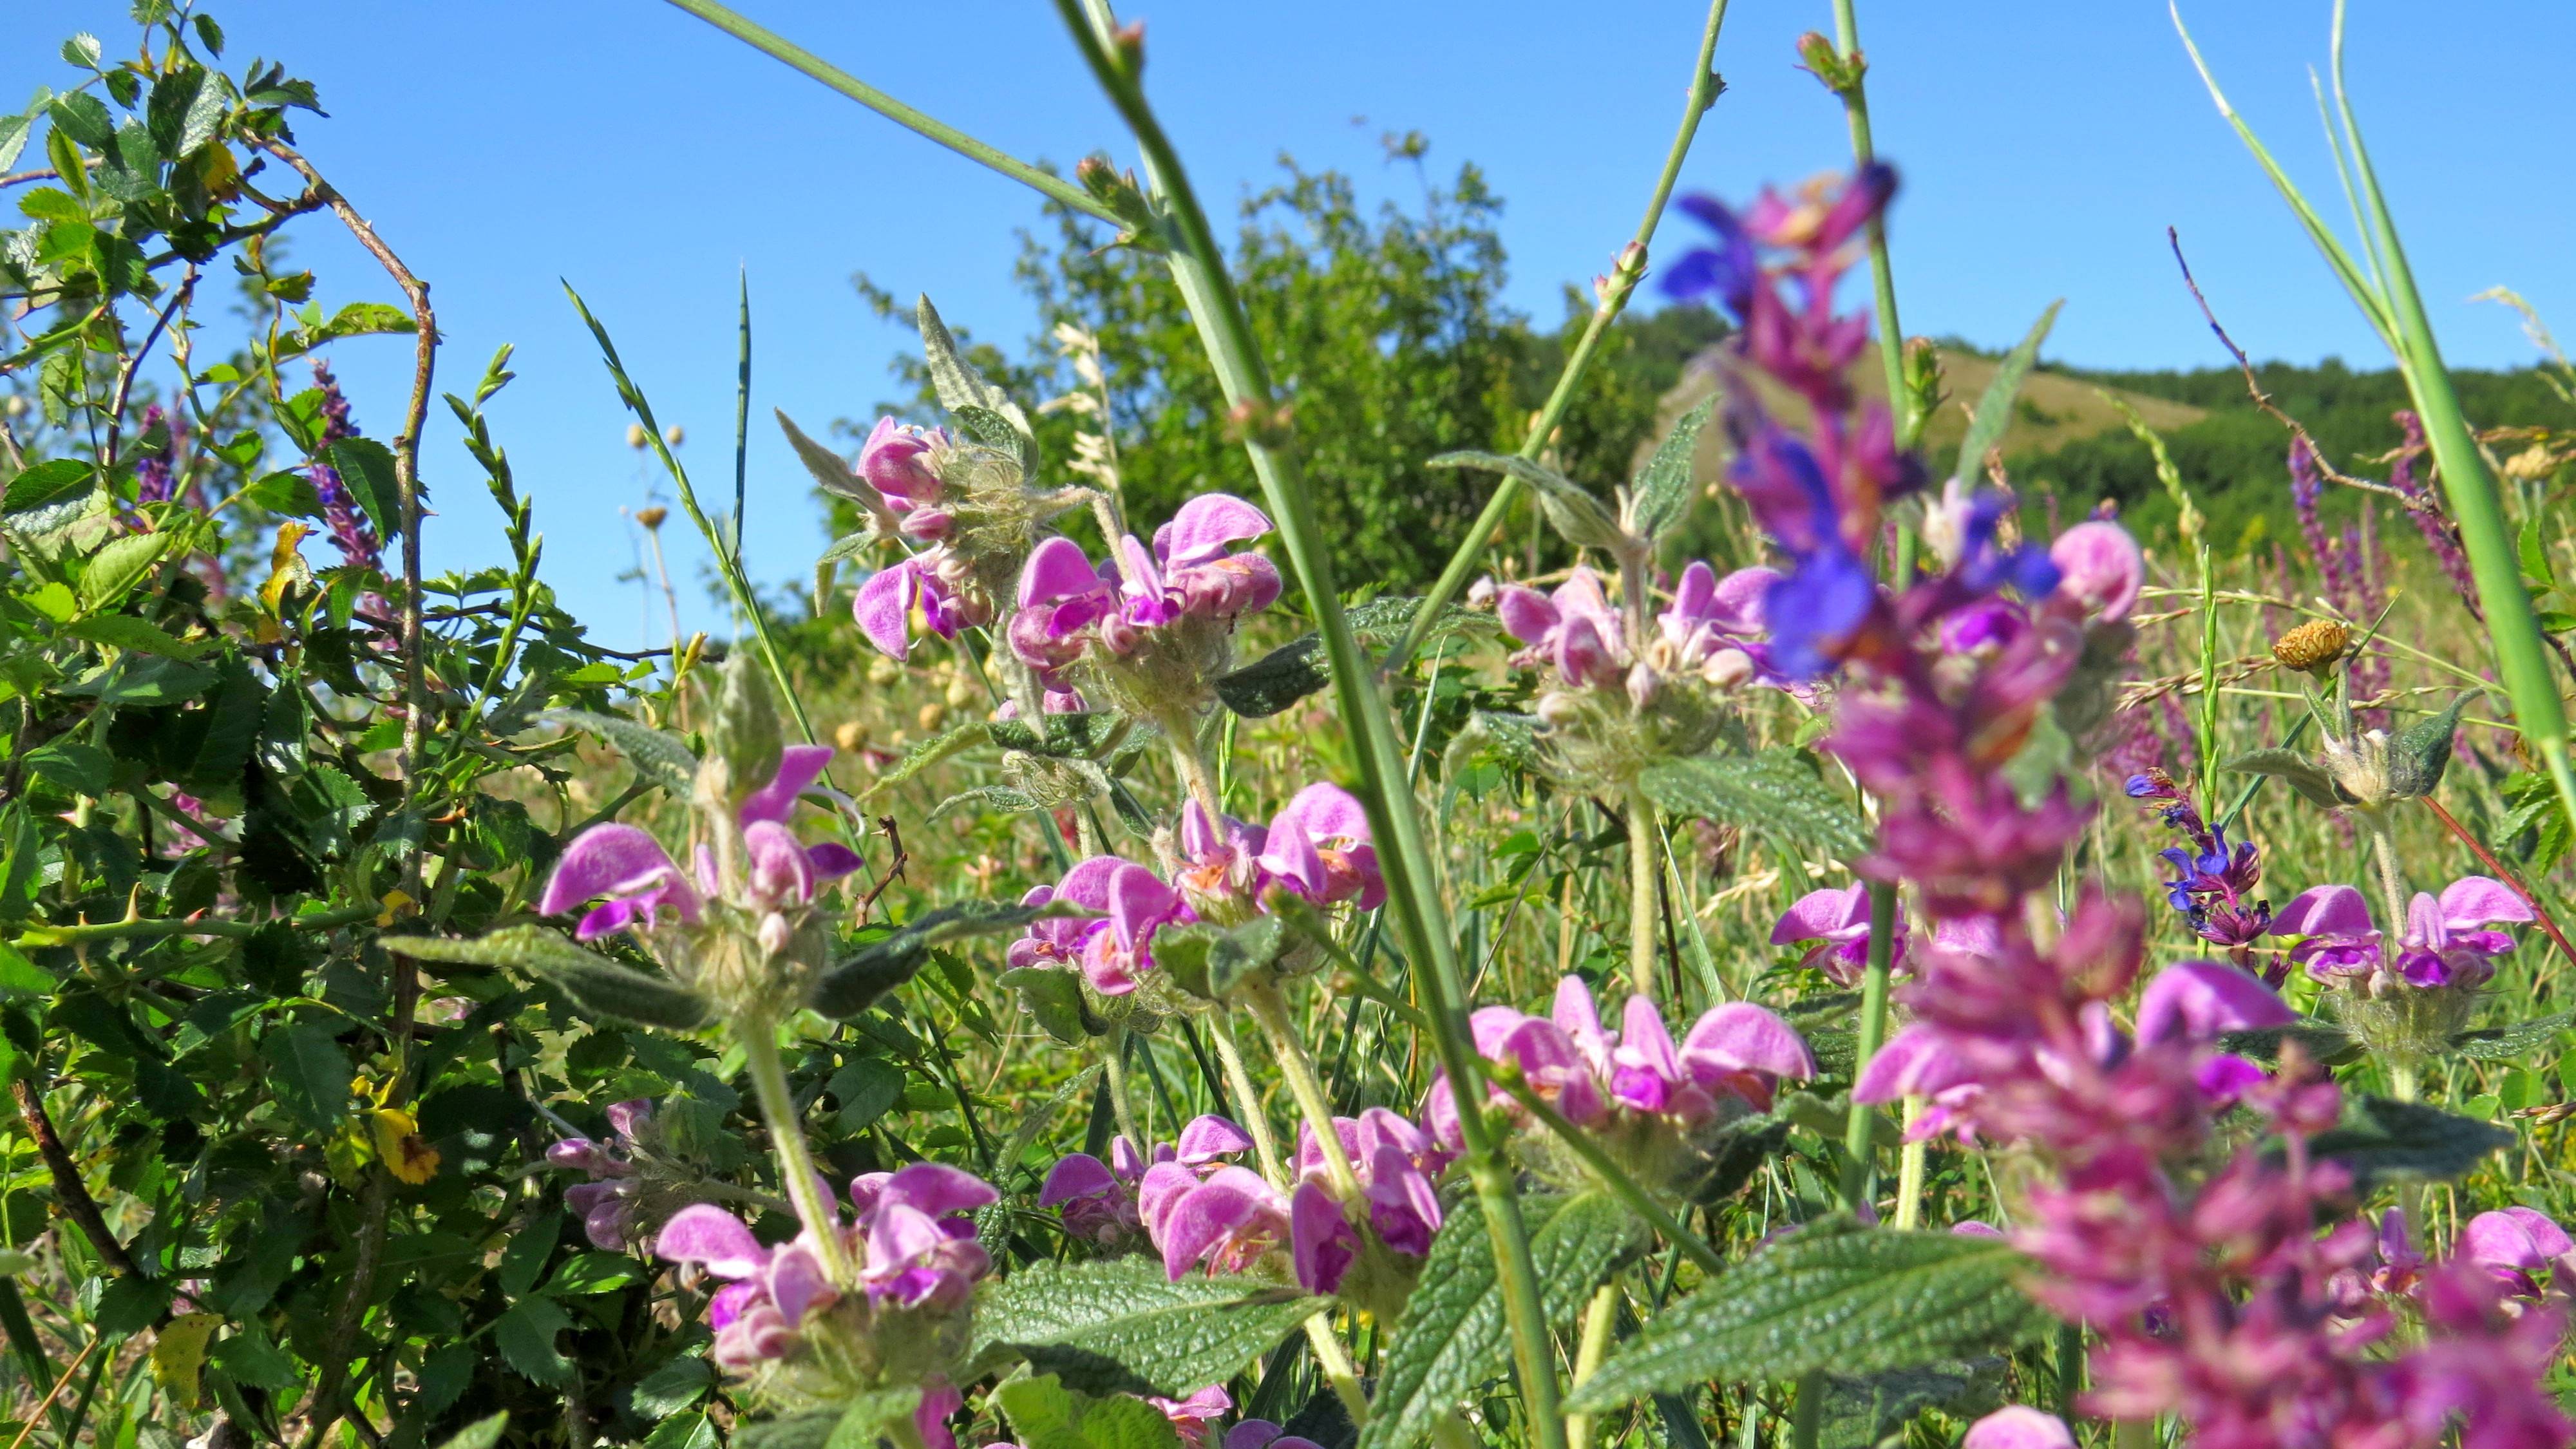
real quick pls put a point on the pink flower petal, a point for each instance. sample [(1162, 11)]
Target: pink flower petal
[(713, 1239)]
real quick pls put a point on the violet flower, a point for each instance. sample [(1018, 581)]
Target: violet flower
[(2445, 941), (607, 1202), (1067, 606), (2215, 881), (1318, 847), (1263, 1434), (2017, 1427), (888, 605), (2514, 1245), (917, 1248), (1838, 922), (1396, 1164), (1114, 950), (1099, 1199), (1229, 1220), (350, 530), (1715, 626), (639, 880), (1573, 629)]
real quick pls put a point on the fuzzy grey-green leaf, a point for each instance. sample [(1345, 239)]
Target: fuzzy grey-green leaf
[(1834, 1296), (657, 756), (1579, 517), (1661, 492), (1768, 792), (1995, 404), (1119, 1325), (595, 983)]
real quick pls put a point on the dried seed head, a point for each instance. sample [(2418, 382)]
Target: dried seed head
[(652, 517), (2313, 646)]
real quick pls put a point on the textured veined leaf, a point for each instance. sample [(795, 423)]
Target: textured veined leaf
[(1120, 1326), (595, 983), (526, 1337), (1453, 1337), (2297, 770), (831, 471), (1572, 510), (1661, 491), (2383, 1141), (2503, 1043), (309, 1072), (1770, 792), (956, 381), (657, 756), (1995, 405), (990, 429), (481, 1434), (1044, 1414), (858, 980), (2421, 752), (1835, 1297)]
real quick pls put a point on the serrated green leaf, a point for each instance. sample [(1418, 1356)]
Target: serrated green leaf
[(2324, 1042), (865, 1088), (1661, 492), (1453, 1338), (1053, 996), (1862, 1412), (595, 983), (2384, 1141), (673, 1387), (2503, 1043), (1044, 1414), (1833, 1296), (481, 1434), (1209, 961), (367, 466), (124, 631), (1276, 680), (526, 1337), (1578, 517), (1120, 1326), (78, 768), (655, 755), (1995, 405), (113, 571), (693, 1430), (47, 482), (309, 1073), (1079, 736), (1770, 792)]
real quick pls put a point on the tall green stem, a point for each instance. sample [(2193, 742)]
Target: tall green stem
[(1412, 880), (1598, 1319), (1909, 1171), (1861, 1125), (795, 56), (759, 1040), (1247, 1101), (1119, 1104), (1882, 273), (1642, 873), (1704, 88), (1270, 1011)]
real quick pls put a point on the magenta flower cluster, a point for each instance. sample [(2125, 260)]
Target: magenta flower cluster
[(607, 1202), (899, 461), (1067, 606), (2447, 940), (1316, 848)]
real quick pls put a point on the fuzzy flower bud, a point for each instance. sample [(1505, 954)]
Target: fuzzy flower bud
[(2313, 647)]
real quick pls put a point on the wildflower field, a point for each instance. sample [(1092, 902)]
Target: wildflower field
[(1748, 928)]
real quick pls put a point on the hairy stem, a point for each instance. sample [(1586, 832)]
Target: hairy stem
[(1909, 1170), (1248, 1102), (1119, 1103), (1882, 273), (1641, 893), (759, 1040), (1599, 1316), (1612, 1176), (1270, 1010), (1704, 88), (1336, 1363)]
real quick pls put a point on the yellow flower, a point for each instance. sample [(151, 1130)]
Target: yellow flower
[(401, 1148)]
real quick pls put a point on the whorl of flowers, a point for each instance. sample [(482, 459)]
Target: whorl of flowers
[(1650, 1100), (1152, 626), (2214, 881), (607, 1202), (351, 532), (901, 1323), (971, 511)]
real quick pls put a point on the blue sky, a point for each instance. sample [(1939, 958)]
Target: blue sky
[(633, 151)]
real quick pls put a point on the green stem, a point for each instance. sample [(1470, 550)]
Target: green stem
[(1909, 1170), (796, 57), (1270, 1011), (759, 1040), (1336, 1363), (1598, 1318), (1861, 1125), (156, 928), (1882, 273), (1247, 1102), (1119, 1105), (1412, 880), (1704, 89), (1641, 893), (2209, 753), (1807, 1419)]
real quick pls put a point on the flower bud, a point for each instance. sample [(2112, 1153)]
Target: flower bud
[(745, 733), (2313, 647), (651, 517), (673, 436), (775, 934), (636, 437)]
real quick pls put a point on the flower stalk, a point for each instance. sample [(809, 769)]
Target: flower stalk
[(759, 1038)]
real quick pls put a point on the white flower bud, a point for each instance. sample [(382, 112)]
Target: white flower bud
[(775, 934)]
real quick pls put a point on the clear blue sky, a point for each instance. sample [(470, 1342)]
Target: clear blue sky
[(644, 157)]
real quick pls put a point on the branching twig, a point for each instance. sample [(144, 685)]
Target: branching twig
[(68, 1187)]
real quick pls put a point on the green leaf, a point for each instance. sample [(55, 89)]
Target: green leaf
[(1994, 407), (858, 980), (292, 494), (2504, 1043), (481, 1434), (2301, 773), (865, 1088), (526, 1337), (595, 983), (124, 631), (1580, 518), (1120, 1326), (831, 471), (956, 381), (78, 768), (1044, 1414), (1453, 1338), (693, 1431), (1210, 961), (2324, 1042), (1862, 1412), (1661, 492), (1053, 996), (1078, 736), (2422, 751), (990, 429), (1771, 792), (586, 1273), (113, 571), (309, 1073), (655, 755), (673, 1387), (2535, 555), (2384, 1141), (1834, 1296), (1276, 680), (367, 466), (48, 482)]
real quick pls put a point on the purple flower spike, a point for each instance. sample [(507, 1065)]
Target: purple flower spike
[(629, 867), (2199, 1001), (1918, 1061), (2018, 1428)]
